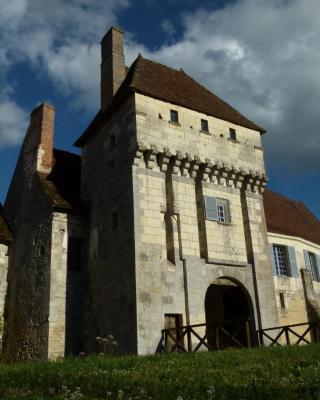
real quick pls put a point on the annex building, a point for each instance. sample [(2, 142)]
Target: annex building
[(163, 221)]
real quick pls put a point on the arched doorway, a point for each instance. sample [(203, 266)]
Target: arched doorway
[(229, 314)]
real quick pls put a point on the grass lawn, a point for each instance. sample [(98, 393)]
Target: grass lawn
[(277, 373)]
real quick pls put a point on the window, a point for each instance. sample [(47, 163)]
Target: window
[(204, 125), (280, 259), (75, 248), (313, 264), (232, 134), (284, 261), (174, 116), (221, 213), (112, 142), (217, 209), (114, 220), (282, 302)]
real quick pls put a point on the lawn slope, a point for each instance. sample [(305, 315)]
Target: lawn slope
[(279, 373)]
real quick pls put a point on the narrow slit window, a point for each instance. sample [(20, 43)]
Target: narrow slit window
[(282, 302), (204, 125), (232, 134), (114, 220), (174, 116)]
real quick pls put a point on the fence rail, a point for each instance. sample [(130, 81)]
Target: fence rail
[(212, 336), (306, 332), (238, 333)]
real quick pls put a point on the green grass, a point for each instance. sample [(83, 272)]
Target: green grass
[(279, 373)]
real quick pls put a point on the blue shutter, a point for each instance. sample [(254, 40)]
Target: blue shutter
[(318, 263), (293, 261), (211, 211), (307, 260), (274, 268)]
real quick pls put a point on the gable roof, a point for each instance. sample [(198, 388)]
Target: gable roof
[(174, 86), (290, 217), (5, 233), (62, 185)]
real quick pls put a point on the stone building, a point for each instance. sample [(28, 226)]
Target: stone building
[(159, 223)]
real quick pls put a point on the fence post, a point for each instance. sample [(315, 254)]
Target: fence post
[(248, 333), (286, 331), (189, 339)]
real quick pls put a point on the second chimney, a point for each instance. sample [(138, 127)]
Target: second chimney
[(112, 65)]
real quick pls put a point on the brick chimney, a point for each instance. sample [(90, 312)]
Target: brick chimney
[(41, 132), (112, 65)]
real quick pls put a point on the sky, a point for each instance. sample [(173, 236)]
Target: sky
[(261, 56)]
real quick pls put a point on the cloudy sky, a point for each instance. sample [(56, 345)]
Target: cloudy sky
[(262, 56)]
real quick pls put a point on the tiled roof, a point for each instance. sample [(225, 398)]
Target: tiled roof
[(5, 233), (173, 86), (63, 183), (290, 217)]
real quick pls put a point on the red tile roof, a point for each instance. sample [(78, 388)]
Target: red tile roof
[(5, 233), (62, 185), (290, 217), (173, 86)]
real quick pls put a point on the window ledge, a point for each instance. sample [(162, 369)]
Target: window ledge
[(224, 223), (174, 123), (258, 148), (233, 140), (205, 132)]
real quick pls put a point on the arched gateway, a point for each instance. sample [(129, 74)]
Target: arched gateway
[(229, 314)]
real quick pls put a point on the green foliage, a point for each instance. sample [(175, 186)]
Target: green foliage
[(279, 373)]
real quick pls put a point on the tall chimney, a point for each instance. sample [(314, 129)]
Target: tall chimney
[(112, 65), (41, 132)]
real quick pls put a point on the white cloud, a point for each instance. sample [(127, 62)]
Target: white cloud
[(263, 57), (60, 40), (13, 124)]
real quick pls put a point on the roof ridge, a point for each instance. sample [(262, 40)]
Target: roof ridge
[(66, 152)]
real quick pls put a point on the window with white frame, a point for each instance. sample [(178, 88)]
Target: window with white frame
[(313, 264), (280, 259), (217, 209), (284, 262)]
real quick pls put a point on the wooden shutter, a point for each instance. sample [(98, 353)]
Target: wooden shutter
[(274, 268), (307, 260), (318, 263), (293, 261), (210, 204)]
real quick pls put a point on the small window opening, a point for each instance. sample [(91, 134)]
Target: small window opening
[(75, 247), (221, 213), (114, 220), (174, 116), (112, 142), (232, 134), (282, 302), (204, 125)]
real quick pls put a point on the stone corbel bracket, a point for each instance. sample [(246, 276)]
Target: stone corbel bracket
[(191, 166)]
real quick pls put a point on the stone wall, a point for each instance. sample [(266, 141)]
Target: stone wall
[(66, 289), (296, 292), (178, 252), (3, 284), (28, 212), (107, 191)]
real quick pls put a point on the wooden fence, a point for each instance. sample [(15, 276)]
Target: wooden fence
[(237, 333)]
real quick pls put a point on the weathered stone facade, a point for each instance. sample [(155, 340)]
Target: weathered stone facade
[(133, 243)]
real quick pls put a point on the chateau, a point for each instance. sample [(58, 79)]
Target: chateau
[(162, 221)]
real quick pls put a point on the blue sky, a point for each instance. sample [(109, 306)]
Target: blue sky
[(262, 56)]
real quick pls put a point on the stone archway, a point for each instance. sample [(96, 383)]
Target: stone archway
[(228, 303)]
